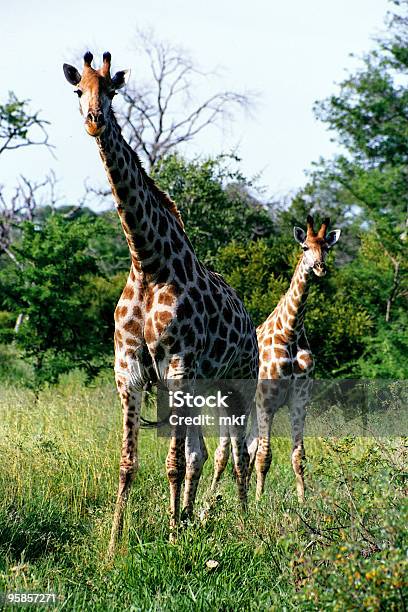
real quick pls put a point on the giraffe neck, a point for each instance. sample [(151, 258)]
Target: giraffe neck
[(150, 220), (294, 302)]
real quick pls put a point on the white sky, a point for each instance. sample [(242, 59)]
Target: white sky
[(291, 52)]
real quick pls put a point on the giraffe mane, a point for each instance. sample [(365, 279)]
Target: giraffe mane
[(162, 196)]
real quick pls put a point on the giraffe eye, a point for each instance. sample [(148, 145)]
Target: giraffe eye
[(78, 92), (305, 248)]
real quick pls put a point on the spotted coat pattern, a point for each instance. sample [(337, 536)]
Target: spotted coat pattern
[(175, 319), (286, 360)]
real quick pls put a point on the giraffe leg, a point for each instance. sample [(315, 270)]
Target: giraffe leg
[(270, 396), (175, 467), (220, 460), (178, 378), (298, 401), (131, 400), (241, 462), (263, 462), (196, 456), (238, 431), (263, 458)]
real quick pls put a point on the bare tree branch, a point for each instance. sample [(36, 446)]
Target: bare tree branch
[(159, 115), (23, 205)]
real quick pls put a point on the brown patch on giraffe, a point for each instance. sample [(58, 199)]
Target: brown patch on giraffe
[(305, 363), (280, 339), (175, 362), (137, 312), (167, 297), (281, 353), (263, 372), (120, 386), (123, 364), (132, 342), (284, 318), (291, 309), (133, 327), (149, 333), (136, 264), (128, 293), (149, 299), (162, 319), (279, 324), (165, 317), (118, 339), (131, 353), (267, 341), (120, 312)]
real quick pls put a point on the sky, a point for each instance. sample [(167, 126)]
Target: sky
[(290, 52)]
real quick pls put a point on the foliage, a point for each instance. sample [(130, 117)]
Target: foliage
[(59, 330), (214, 201), (385, 354), (7, 322)]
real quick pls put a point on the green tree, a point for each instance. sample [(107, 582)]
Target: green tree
[(365, 189), (214, 201), (50, 286)]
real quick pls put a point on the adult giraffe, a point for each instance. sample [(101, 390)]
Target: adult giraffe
[(285, 358), (175, 319)]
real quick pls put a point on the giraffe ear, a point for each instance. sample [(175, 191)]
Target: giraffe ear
[(71, 74), (120, 79), (332, 238), (299, 234)]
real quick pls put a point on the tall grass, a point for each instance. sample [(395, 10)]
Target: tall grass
[(59, 453)]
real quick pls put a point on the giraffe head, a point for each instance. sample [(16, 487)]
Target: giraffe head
[(316, 244), (95, 90)]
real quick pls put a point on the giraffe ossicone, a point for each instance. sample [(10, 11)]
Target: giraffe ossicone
[(176, 319)]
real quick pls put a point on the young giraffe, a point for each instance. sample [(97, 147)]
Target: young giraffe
[(175, 319), (285, 358)]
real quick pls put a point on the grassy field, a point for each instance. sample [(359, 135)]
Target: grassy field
[(346, 548)]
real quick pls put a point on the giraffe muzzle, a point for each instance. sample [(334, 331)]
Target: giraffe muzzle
[(95, 123), (319, 268)]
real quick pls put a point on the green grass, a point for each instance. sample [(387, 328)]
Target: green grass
[(344, 549)]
